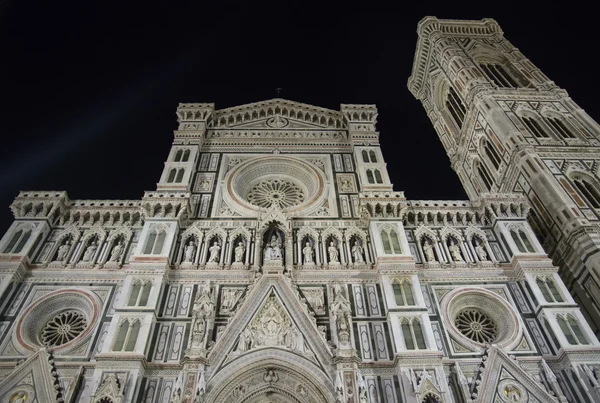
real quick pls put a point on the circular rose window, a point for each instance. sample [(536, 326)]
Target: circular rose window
[(290, 183), (476, 325), (63, 328), (475, 317), (276, 191), (62, 320)]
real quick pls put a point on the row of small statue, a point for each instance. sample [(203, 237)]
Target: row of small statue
[(90, 251), (454, 251), (214, 252), (333, 253), (273, 252)]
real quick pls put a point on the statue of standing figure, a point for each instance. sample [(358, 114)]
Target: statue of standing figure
[(117, 251), (215, 252), (357, 253), (333, 253), (240, 251), (481, 252), (308, 253), (190, 251), (455, 251), (428, 251), (90, 251), (202, 311), (273, 249), (61, 256)]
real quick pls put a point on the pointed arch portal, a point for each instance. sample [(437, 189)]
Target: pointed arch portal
[(270, 376)]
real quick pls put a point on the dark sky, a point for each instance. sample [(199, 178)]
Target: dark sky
[(89, 89)]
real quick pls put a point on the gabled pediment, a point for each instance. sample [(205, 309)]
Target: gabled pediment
[(35, 380), (503, 380), (279, 114), (271, 317)]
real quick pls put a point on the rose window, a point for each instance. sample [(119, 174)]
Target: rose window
[(63, 328), (276, 191), (476, 325)]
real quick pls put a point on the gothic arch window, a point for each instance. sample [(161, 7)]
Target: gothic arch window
[(588, 190), (180, 175), (535, 127), (492, 154), (365, 156), (378, 178), (561, 127), (372, 155), (412, 332), (571, 329), (186, 156), (522, 241), (127, 335), (370, 178), (456, 107), (178, 155), (499, 74), (155, 241), (390, 241), (140, 292), (485, 176), (403, 292), (18, 241), (171, 177), (548, 289)]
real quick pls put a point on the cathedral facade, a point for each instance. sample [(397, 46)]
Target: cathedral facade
[(274, 262)]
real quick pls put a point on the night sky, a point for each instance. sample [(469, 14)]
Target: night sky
[(89, 90)]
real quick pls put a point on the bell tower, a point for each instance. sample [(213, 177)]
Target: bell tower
[(507, 128)]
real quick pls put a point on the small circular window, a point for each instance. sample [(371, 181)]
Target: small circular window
[(476, 325), (63, 328)]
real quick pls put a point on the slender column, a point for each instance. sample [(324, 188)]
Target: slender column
[(198, 250), (324, 251), (441, 256), (446, 252), (348, 252), (317, 253), (472, 250), (223, 247), (257, 247), (466, 255), (299, 248), (341, 252)]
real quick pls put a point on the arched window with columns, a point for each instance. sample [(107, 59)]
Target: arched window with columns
[(186, 156), (413, 334), (403, 292), (588, 189), (535, 126), (484, 176), (127, 334), (17, 241), (569, 325), (155, 241), (178, 155), (365, 156), (549, 289), (171, 177), (456, 108), (491, 154), (370, 177), (561, 127)]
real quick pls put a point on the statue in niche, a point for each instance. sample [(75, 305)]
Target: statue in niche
[(341, 311), (297, 340), (190, 251), (333, 253), (201, 313), (215, 252), (88, 255), (315, 298), (454, 250), (273, 248), (308, 253), (481, 252), (240, 251), (117, 251), (357, 253), (428, 250), (63, 250)]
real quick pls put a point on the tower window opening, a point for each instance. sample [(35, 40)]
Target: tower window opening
[(534, 127), (456, 107), (561, 128), (492, 154), (499, 75), (589, 191)]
